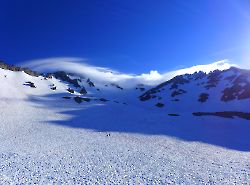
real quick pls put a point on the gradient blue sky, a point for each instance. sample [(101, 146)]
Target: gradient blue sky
[(131, 36)]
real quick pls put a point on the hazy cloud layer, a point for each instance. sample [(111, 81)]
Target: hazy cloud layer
[(101, 74)]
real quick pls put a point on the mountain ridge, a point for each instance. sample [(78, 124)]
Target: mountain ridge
[(197, 92)]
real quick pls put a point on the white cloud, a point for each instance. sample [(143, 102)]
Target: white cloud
[(152, 76), (100, 74)]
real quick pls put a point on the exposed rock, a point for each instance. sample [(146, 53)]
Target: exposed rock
[(240, 88), (103, 99), (30, 84), (30, 72), (49, 76), (66, 97), (199, 75), (173, 114), (91, 84), (115, 85), (246, 92), (53, 88), (148, 94), (70, 90), (179, 80), (176, 81), (175, 100), (231, 93), (63, 76), (178, 92), (16, 68), (83, 91), (145, 97), (226, 114), (174, 86), (160, 105), (203, 97), (79, 99), (213, 79)]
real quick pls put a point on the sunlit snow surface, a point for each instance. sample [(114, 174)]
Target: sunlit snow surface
[(48, 140)]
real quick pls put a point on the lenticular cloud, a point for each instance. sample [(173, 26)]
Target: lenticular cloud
[(102, 74)]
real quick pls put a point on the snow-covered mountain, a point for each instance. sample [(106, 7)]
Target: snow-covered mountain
[(228, 89), (221, 93), (22, 83), (62, 127)]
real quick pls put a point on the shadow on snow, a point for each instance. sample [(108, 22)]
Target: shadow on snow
[(113, 117)]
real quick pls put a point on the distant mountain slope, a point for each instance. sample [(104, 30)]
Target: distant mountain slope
[(227, 90), (196, 94), (18, 82)]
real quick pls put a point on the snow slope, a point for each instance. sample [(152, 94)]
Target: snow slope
[(47, 139), (227, 90)]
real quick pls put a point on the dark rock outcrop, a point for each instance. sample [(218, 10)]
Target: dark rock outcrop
[(83, 91), (16, 68), (160, 105), (203, 97), (30, 84), (213, 79), (117, 86), (70, 90), (53, 88), (225, 114), (178, 80), (240, 88), (178, 92), (79, 99), (63, 76), (175, 100), (173, 114), (91, 84), (103, 100)]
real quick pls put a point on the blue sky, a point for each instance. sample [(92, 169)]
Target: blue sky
[(130, 36)]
